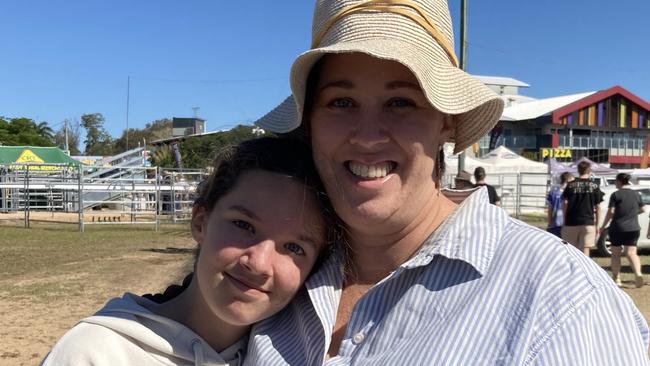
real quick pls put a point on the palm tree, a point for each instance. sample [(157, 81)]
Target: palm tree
[(45, 130)]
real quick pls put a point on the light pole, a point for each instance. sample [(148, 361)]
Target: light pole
[(463, 62)]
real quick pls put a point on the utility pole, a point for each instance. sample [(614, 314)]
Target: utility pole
[(65, 133), (463, 62), (128, 90)]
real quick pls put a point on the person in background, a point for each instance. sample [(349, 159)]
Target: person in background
[(463, 181), (463, 188), (580, 207), (479, 176), (554, 211), (624, 208)]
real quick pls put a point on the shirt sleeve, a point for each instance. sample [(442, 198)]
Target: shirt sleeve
[(607, 330), (599, 195), (612, 200)]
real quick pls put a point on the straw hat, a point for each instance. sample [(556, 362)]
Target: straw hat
[(416, 33)]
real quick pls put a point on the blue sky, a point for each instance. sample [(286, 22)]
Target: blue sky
[(63, 58)]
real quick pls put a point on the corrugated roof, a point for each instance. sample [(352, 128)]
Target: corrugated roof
[(499, 80), (540, 107), (597, 97)]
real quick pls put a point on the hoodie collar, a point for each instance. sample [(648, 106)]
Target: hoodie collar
[(131, 316)]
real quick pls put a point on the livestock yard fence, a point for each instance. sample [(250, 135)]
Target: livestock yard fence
[(96, 196)]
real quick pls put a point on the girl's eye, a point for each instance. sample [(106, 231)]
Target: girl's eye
[(401, 102), (244, 225), (295, 249), (342, 103)]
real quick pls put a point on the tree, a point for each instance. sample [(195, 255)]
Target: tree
[(98, 140), (73, 137), (45, 130), (199, 151), (156, 130), (23, 132)]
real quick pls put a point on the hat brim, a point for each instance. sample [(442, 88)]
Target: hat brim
[(476, 109)]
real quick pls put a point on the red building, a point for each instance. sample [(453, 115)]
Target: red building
[(608, 126)]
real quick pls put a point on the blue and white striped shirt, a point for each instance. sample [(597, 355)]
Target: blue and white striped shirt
[(484, 289)]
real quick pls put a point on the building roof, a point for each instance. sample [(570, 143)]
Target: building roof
[(34, 155), (540, 107), (501, 81), (595, 98)]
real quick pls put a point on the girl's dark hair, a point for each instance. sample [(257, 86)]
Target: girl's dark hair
[(283, 155), (624, 178)]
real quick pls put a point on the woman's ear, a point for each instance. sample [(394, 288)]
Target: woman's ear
[(448, 127), (199, 217)]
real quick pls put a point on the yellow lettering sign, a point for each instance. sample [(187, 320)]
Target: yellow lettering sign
[(556, 153), (27, 156)]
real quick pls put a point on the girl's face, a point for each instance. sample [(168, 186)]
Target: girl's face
[(257, 246), (375, 139)]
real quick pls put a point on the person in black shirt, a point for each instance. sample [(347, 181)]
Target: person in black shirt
[(624, 207), (479, 176), (581, 198)]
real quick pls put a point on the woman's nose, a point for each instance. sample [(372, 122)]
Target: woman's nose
[(368, 131)]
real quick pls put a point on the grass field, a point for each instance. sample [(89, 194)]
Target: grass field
[(51, 276)]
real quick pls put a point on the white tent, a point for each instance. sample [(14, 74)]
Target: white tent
[(451, 162), (504, 160)]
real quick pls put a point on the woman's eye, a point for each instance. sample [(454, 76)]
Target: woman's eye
[(295, 249), (342, 103), (244, 225), (401, 102)]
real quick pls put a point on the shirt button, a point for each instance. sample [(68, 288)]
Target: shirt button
[(358, 338)]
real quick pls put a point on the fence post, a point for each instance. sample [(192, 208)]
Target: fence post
[(80, 198), (27, 203), (157, 198)]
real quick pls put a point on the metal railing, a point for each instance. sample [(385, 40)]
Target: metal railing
[(520, 193), (136, 195)]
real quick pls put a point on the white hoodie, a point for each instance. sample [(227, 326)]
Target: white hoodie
[(125, 332)]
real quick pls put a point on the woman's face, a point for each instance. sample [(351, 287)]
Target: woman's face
[(257, 245), (375, 140)]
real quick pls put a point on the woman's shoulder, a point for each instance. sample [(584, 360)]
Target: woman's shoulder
[(543, 254)]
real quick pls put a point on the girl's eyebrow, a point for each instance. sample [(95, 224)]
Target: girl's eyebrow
[(309, 240), (243, 210)]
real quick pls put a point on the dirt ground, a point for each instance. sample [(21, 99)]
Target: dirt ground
[(37, 309)]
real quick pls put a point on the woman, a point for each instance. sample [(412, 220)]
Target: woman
[(624, 208), (261, 225), (425, 281)]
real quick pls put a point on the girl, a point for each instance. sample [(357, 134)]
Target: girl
[(260, 231)]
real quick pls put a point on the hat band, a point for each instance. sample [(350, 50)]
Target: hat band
[(388, 6)]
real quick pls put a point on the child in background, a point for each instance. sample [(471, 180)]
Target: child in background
[(261, 223), (554, 205)]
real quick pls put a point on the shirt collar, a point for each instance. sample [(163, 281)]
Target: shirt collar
[(470, 234)]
